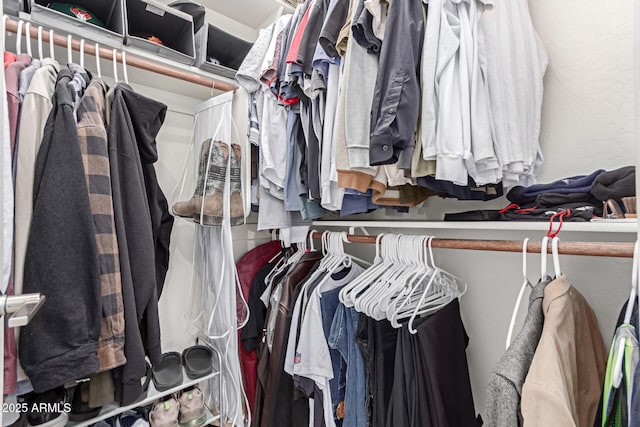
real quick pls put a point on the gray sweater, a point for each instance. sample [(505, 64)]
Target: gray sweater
[(505, 383)]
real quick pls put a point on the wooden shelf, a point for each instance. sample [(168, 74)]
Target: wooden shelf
[(583, 227)]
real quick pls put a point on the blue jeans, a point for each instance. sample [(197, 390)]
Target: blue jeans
[(343, 339), (328, 305)]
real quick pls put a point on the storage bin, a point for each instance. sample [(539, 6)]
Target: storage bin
[(174, 28), (215, 43), (12, 7), (110, 12)]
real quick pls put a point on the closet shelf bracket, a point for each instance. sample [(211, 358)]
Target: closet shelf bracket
[(20, 308)]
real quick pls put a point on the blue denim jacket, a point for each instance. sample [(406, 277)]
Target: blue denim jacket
[(328, 306), (343, 339)]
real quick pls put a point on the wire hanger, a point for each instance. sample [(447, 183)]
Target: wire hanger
[(617, 367), (114, 57), (69, 49), (19, 37), (27, 38), (40, 42), (98, 61), (51, 45), (525, 283)]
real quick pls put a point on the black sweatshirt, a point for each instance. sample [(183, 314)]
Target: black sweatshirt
[(60, 343)]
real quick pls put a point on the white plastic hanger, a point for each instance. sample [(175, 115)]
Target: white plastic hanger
[(114, 57), (525, 284), (19, 37), (543, 257), (556, 256), (69, 49), (98, 61), (27, 38), (411, 249), (40, 42), (364, 280), (391, 252), (396, 265), (448, 287), (125, 74), (82, 53), (617, 367), (390, 305), (401, 303), (51, 45)]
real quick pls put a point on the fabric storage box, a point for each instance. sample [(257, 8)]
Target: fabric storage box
[(147, 18), (213, 43), (109, 12), (12, 7)]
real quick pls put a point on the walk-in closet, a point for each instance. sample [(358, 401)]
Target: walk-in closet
[(327, 213)]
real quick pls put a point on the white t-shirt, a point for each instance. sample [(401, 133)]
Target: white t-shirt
[(311, 358)]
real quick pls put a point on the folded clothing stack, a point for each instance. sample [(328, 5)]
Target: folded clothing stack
[(581, 197)]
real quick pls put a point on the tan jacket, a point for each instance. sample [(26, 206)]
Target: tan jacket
[(564, 383)]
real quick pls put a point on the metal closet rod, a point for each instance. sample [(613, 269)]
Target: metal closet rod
[(133, 61), (602, 249)]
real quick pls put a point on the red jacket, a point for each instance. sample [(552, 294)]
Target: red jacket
[(247, 267)]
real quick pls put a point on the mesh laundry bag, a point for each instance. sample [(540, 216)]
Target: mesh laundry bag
[(213, 201)]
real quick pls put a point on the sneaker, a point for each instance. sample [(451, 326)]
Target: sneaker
[(192, 412), (165, 413)]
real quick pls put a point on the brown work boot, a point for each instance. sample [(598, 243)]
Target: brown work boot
[(189, 207), (237, 205), (209, 208)]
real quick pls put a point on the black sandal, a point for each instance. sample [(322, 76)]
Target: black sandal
[(168, 373), (197, 361)]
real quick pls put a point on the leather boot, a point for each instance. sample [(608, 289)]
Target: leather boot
[(209, 207), (190, 207), (237, 205)]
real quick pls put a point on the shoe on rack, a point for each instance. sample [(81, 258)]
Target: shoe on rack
[(197, 361), (137, 417), (52, 399), (206, 205), (165, 413), (192, 413), (168, 373), (189, 207)]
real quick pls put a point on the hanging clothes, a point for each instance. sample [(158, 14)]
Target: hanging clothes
[(616, 397), (504, 392), (431, 377), (36, 105), (274, 406), (134, 123), (92, 135), (616, 405), (60, 344), (564, 381), (250, 268)]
